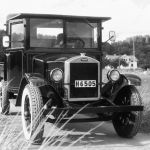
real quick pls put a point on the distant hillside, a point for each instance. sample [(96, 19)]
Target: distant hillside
[(142, 49)]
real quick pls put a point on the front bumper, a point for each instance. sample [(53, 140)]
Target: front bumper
[(89, 110)]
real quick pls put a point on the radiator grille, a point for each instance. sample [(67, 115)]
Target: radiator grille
[(83, 71)]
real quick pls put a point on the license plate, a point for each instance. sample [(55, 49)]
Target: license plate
[(85, 83)]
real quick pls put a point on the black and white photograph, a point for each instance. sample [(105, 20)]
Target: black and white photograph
[(75, 75)]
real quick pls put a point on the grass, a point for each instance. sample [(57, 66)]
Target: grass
[(145, 94), (11, 134)]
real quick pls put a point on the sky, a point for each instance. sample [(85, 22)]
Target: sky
[(129, 17)]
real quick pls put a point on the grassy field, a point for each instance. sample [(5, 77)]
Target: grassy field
[(11, 136), (145, 94)]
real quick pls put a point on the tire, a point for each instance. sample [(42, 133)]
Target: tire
[(5, 104), (31, 112), (127, 124)]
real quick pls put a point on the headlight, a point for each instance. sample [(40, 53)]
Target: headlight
[(113, 75), (56, 75)]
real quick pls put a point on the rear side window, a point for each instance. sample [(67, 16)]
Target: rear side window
[(17, 35)]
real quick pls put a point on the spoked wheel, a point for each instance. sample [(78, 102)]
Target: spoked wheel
[(4, 104), (31, 109), (127, 124)]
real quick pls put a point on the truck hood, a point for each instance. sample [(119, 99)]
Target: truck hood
[(53, 57)]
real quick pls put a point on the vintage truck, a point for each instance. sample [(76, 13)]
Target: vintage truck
[(53, 67)]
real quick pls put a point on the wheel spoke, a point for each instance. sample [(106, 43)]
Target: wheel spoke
[(126, 118)]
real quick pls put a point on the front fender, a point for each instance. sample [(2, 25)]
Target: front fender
[(126, 90), (29, 78), (47, 90), (35, 79), (110, 89), (133, 79)]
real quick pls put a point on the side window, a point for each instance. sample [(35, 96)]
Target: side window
[(17, 35)]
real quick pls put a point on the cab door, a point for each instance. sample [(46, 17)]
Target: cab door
[(14, 55), (14, 68)]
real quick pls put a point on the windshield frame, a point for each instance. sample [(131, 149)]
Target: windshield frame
[(64, 22)]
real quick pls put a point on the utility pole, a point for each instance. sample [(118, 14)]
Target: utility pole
[(133, 53), (119, 60)]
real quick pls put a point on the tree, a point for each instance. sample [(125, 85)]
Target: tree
[(114, 63), (142, 49)]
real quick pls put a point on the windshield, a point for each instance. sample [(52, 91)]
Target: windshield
[(50, 33)]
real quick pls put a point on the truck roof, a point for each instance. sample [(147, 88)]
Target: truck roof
[(30, 15)]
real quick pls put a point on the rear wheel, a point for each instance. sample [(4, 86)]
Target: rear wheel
[(5, 104), (31, 108), (127, 124)]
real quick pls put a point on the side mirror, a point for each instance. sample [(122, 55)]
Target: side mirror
[(112, 36), (6, 41)]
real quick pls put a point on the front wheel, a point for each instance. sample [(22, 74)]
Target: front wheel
[(127, 124), (31, 109)]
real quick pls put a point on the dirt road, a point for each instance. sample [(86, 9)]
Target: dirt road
[(77, 136)]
